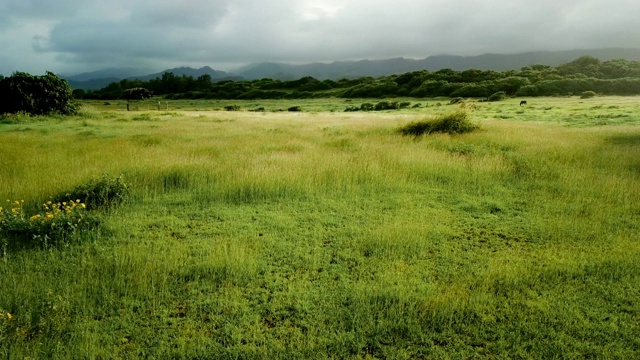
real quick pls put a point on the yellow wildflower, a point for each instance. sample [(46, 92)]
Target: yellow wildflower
[(9, 316), (34, 217)]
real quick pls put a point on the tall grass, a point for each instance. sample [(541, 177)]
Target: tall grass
[(329, 235)]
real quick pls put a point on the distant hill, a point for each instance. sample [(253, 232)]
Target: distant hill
[(195, 73), (99, 79), (355, 69), (377, 68)]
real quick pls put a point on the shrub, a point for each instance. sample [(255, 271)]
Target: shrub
[(232, 108), (294, 108), (587, 95), (454, 123), (498, 96), (36, 95), (367, 107), (138, 93), (385, 105), (105, 192), (455, 100)]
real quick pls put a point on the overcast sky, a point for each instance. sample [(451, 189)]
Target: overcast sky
[(72, 36)]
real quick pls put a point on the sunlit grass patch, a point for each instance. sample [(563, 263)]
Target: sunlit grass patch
[(326, 235)]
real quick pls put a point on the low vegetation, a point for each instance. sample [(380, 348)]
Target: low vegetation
[(99, 193), (610, 77), (453, 123), (324, 234)]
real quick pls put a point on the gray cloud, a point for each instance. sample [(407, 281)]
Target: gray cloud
[(75, 34)]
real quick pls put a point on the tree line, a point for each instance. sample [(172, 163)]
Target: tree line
[(611, 77)]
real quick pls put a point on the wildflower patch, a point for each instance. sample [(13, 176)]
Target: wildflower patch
[(54, 222)]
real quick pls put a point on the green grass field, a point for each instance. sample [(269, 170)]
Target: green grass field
[(324, 234)]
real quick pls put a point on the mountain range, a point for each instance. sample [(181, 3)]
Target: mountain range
[(354, 69)]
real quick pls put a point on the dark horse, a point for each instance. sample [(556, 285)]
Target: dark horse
[(523, 102)]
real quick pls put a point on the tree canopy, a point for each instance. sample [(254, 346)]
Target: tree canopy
[(36, 95), (612, 77)]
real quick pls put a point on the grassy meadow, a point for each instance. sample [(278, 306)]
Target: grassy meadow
[(325, 234)]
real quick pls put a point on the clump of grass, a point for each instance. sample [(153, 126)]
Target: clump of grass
[(55, 222), (104, 192), (454, 123)]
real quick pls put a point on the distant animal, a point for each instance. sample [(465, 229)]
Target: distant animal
[(523, 102)]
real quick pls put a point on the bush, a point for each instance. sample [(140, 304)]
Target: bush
[(454, 123), (105, 192), (367, 107), (36, 95), (455, 100), (385, 105), (294, 108), (138, 93), (232, 108), (587, 95), (498, 96)]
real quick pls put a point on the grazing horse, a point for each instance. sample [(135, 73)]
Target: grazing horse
[(523, 102)]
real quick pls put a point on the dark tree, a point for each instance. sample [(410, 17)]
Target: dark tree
[(136, 94), (36, 95)]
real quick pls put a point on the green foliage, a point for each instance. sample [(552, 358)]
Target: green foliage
[(367, 107), (380, 106), (498, 96), (454, 123), (386, 105), (332, 238), (232, 108), (612, 77), (54, 223), (472, 90), (36, 95), (587, 95), (137, 93), (99, 193)]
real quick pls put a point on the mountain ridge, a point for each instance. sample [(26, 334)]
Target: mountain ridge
[(363, 68)]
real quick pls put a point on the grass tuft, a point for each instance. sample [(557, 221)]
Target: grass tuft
[(104, 192), (453, 123)]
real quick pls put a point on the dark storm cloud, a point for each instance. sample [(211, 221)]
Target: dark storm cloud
[(92, 33)]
